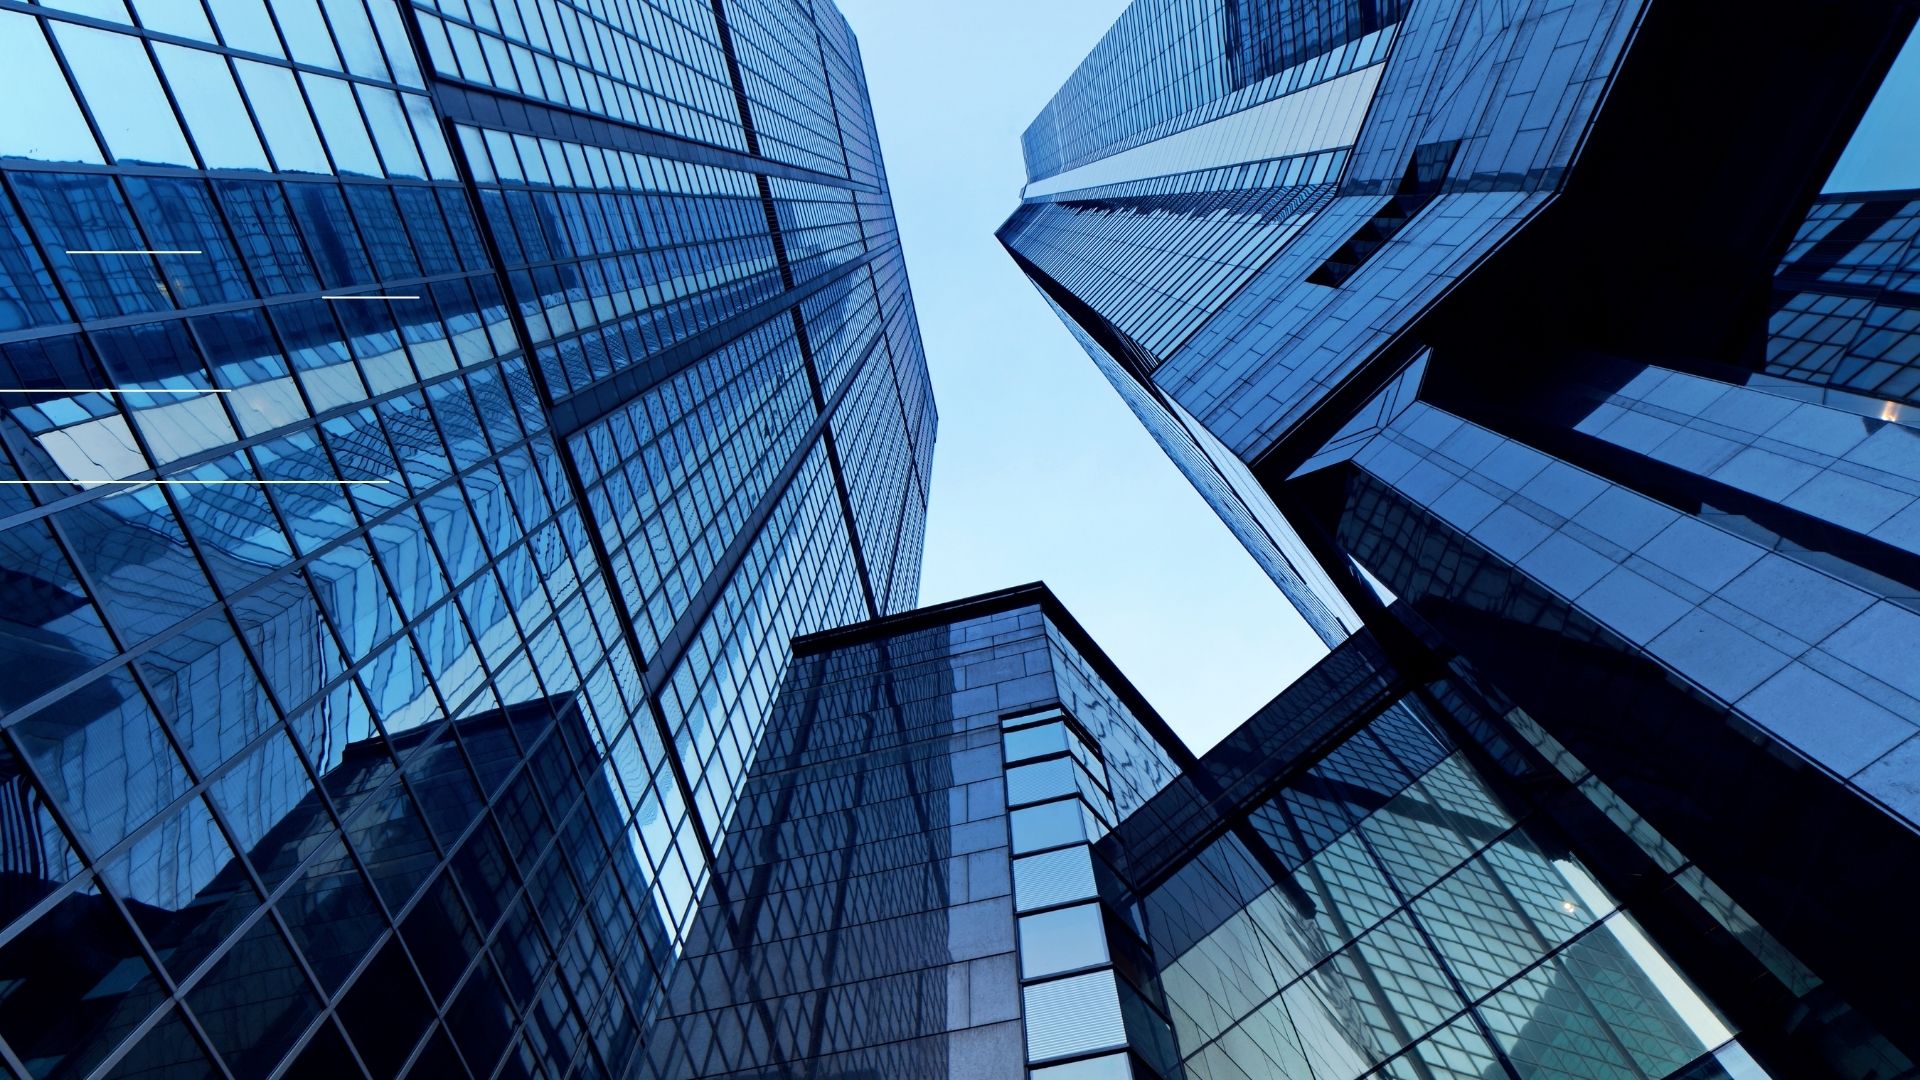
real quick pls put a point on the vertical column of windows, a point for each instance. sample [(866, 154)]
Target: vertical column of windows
[(1078, 960)]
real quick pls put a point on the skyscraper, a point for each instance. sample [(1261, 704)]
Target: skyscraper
[(1571, 347), (924, 777), (425, 426)]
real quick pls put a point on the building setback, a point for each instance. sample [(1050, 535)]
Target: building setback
[(426, 426), (1574, 348)]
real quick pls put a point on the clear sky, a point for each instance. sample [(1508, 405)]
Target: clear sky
[(1885, 152), (1041, 472)]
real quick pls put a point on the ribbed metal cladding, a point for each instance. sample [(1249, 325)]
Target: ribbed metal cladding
[(1075, 1015), (1056, 877)]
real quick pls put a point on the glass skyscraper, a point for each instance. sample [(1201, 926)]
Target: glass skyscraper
[(924, 777), (425, 426), (1572, 348)]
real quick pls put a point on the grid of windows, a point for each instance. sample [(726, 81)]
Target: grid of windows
[(615, 256), (877, 911), (786, 83), (1156, 266), (401, 536), (1424, 929), (1168, 66), (657, 64), (1614, 473), (1847, 298)]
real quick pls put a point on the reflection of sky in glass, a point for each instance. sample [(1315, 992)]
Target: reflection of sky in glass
[(1885, 151)]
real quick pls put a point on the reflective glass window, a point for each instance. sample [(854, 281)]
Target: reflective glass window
[(283, 117), (1064, 940), (357, 41), (245, 25), (391, 131), (174, 17), (53, 130), (210, 100), (1041, 780), (27, 295), (321, 211), (116, 78), (305, 31), (1105, 1067), (1035, 742), (75, 213), (268, 238), (100, 994), (340, 121), (1050, 825), (180, 216), (1054, 877)]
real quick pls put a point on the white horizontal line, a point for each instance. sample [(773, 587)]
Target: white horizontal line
[(103, 390), (377, 296), (108, 480), (133, 251)]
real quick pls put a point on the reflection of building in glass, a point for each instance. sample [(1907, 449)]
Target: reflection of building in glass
[(519, 377), (532, 756), (1591, 338)]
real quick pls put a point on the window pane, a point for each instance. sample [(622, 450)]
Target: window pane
[(1048, 825), (432, 142), (179, 215), (1041, 780), (118, 83), (1110, 1067), (109, 10), (283, 117), (1036, 742), (306, 33), (357, 42), (75, 212), (340, 122), (244, 25), (203, 84), (53, 129), (27, 295), (1053, 878), (1064, 940), (390, 131), (399, 51), (182, 18)]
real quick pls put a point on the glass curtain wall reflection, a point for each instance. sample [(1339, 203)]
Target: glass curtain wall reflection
[(425, 425), (1478, 343)]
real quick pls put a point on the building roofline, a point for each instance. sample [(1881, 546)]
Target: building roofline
[(1031, 594)]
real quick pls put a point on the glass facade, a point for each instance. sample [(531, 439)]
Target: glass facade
[(1396, 903), (425, 426), (909, 889), (1477, 344)]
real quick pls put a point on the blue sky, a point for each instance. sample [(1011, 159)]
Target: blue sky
[(1885, 151), (1041, 472)]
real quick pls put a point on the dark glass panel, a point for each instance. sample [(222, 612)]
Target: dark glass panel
[(255, 1001), (385, 1011)]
